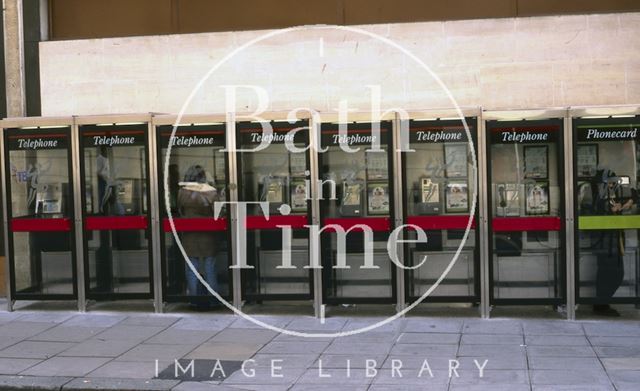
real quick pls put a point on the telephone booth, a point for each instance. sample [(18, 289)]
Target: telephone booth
[(526, 208), (438, 184), (115, 207), (38, 197), (606, 174), (196, 178), (356, 212), (279, 176)]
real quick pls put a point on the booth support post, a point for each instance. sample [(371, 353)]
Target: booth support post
[(314, 176), (483, 223), (77, 216), (397, 144), (156, 251), (569, 218), (238, 249), (7, 266)]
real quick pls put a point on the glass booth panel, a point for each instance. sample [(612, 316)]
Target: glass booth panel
[(526, 209), (40, 213), (116, 214), (356, 190), (607, 156), (197, 178), (439, 181), (278, 176)]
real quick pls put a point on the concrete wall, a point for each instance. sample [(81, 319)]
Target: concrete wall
[(495, 63)]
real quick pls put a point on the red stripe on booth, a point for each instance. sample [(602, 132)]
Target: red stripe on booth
[(41, 225), (103, 223), (195, 224), (375, 223), (441, 222), (261, 222), (522, 224)]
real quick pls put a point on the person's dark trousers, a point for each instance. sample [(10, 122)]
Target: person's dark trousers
[(610, 271)]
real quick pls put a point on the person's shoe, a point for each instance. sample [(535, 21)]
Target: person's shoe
[(605, 310)]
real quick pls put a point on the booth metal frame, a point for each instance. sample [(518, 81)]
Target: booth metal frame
[(482, 225)]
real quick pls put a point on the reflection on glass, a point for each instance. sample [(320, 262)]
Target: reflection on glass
[(39, 186), (440, 182), (607, 205), (196, 181), (277, 175), (115, 176), (525, 169), (356, 186)]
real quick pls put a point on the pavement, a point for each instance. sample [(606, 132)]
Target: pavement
[(110, 349)]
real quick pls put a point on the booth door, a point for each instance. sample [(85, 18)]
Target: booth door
[(438, 182), (117, 238), (197, 178), (526, 212), (277, 175), (40, 213), (607, 170), (356, 193)]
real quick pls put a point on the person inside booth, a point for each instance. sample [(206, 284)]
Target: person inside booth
[(612, 195), (196, 199)]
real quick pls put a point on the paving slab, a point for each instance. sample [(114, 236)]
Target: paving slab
[(95, 320), (615, 341), (172, 336), (13, 366), (23, 329), (621, 363), (492, 377), (426, 350), (561, 351), (612, 329), (342, 361), (338, 346), (492, 326), (224, 351), (286, 360), (66, 366), (47, 317), (264, 376), (569, 377), (552, 327), (128, 370), (62, 333), (556, 340), (244, 336), (617, 351), (582, 387), (277, 347), (99, 348), (568, 363), (412, 377), (489, 387), (430, 338), (328, 376), (124, 332), (489, 350), (35, 349), (433, 325), (409, 387), (152, 352), (492, 339), (210, 323)]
